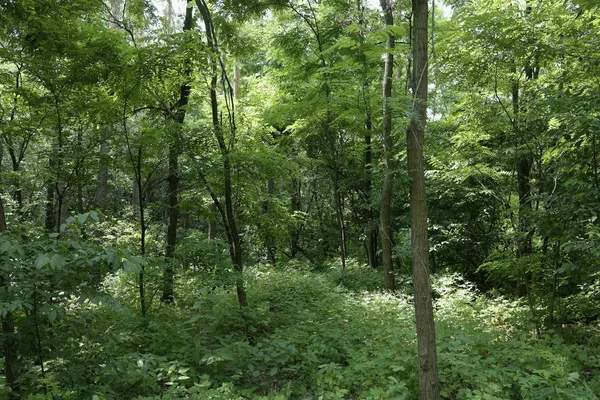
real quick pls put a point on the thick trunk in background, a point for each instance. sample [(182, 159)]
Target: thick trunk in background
[(9, 345), (173, 179), (50, 211), (388, 150), (426, 344)]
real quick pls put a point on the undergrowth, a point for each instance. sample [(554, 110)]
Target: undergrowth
[(307, 335)]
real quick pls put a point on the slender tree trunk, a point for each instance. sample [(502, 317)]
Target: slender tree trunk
[(388, 150), (294, 207), (18, 192), (371, 241), (173, 180), (428, 371), (339, 209), (142, 211), (228, 214)]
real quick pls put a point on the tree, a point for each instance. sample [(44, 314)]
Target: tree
[(388, 143), (174, 149), (428, 372)]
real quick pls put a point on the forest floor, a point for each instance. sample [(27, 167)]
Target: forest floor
[(307, 334)]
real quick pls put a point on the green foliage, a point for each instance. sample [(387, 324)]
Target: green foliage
[(311, 338)]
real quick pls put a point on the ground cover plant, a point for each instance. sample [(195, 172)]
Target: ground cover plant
[(312, 337)]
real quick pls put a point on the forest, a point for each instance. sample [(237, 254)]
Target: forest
[(299, 199)]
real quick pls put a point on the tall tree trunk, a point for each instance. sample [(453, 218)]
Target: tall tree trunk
[(388, 150), (371, 240), (18, 192), (227, 213), (9, 346), (142, 211), (339, 210), (428, 371), (294, 208), (51, 214), (173, 179)]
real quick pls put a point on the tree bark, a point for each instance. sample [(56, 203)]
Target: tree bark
[(371, 240), (227, 214), (428, 372), (295, 207), (388, 150), (173, 179), (9, 346)]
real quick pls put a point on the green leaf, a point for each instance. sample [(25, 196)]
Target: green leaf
[(58, 261), (41, 261), (52, 315), (128, 266)]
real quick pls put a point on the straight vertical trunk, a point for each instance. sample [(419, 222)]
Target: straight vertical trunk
[(18, 192), (173, 179), (427, 352), (9, 346), (388, 150), (339, 207), (142, 211), (371, 240), (295, 207)]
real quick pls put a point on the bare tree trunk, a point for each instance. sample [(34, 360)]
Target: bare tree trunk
[(51, 213), (141, 206), (294, 206), (339, 208), (388, 147), (371, 240), (428, 371), (173, 179), (9, 346), (227, 213)]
